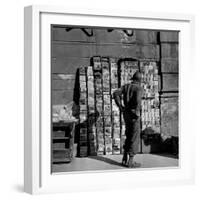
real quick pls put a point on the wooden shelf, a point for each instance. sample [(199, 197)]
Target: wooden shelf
[(62, 153), (61, 149), (61, 160), (61, 138)]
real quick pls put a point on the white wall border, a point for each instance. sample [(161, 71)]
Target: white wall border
[(38, 178)]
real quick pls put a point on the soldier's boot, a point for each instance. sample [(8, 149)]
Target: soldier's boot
[(125, 159), (132, 164)]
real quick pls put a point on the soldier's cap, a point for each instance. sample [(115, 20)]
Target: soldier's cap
[(136, 76)]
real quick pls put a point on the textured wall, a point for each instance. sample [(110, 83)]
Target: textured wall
[(74, 48), (169, 83)]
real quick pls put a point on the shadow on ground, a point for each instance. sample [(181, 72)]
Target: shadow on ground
[(106, 160), (175, 156)]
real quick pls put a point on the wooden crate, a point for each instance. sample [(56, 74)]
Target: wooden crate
[(62, 142)]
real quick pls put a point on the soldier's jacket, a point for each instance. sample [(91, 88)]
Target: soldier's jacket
[(131, 94)]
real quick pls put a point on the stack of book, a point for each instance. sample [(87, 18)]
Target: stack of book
[(99, 119), (102, 126), (115, 110), (107, 105), (91, 112), (150, 111), (83, 138)]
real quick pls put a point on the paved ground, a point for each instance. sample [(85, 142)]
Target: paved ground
[(110, 162)]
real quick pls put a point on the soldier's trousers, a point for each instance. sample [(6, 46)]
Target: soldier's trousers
[(132, 132)]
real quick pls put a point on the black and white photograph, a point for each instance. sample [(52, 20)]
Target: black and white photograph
[(100, 100), (114, 98)]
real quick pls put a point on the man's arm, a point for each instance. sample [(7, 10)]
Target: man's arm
[(117, 95)]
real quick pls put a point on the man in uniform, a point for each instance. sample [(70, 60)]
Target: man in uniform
[(128, 99)]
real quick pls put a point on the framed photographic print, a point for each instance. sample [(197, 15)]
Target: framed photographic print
[(106, 99)]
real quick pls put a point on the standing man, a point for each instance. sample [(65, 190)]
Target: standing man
[(128, 99)]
